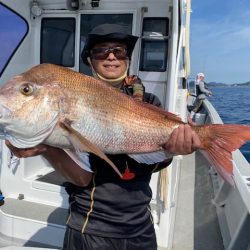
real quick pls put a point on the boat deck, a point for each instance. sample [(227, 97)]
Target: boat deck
[(196, 225)]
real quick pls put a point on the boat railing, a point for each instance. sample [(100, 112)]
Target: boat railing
[(241, 165)]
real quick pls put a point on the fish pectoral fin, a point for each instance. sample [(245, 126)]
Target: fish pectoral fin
[(82, 144), (152, 157)]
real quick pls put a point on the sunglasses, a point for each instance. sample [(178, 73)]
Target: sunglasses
[(103, 52)]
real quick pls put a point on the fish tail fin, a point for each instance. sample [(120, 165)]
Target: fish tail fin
[(218, 143)]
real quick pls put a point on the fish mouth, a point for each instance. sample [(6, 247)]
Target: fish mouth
[(4, 111), (4, 114)]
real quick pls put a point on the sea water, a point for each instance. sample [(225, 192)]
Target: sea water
[(233, 106)]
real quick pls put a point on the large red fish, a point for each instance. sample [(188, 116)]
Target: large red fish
[(54, 105)]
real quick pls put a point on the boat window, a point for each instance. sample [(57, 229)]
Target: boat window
[(154, 44), (89, 21), (13, 29), (58, 41)]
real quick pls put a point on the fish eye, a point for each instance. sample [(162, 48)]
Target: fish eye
[(26, 89)]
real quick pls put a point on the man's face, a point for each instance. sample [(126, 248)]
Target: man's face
[(115, 64)]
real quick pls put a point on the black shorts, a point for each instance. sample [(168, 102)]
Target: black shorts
[(75, 240)]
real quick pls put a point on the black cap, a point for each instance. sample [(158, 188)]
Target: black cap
[(108, 32)]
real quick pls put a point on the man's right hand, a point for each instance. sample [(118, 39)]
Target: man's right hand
[(26, 152), (58, 159)]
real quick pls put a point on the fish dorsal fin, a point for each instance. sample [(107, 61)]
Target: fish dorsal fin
[(159, 110), (84, 145)]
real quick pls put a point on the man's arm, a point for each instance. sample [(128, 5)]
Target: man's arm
[(203, 89), (59, 160)]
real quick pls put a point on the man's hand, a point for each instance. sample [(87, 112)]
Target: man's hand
[(210, 93), (58, 159), (26, 152), (183, 140)]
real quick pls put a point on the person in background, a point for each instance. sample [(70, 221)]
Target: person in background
[(201, 93), (105, 211)]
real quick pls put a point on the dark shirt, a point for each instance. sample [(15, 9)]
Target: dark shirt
[(112, 207), (202, 90)]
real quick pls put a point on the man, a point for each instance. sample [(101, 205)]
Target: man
[(201, 93), (107, 212)]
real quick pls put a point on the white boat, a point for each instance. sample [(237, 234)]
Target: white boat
[(192, 207)]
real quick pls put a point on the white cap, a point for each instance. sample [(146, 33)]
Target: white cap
[(200, 75)]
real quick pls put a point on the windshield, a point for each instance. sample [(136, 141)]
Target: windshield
[(13, 29)]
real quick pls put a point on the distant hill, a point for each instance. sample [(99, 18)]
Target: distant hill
[(217, 84), (210, 84), (241, 84), (220, 84)]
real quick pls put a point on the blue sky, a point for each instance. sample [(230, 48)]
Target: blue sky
[(220, 40)]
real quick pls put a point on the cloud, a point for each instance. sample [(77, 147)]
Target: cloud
[(220, 45)]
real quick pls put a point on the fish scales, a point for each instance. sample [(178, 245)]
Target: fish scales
[(113, 109)]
